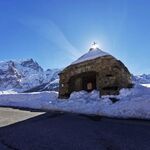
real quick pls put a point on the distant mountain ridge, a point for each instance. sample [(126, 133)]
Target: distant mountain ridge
[(28, 75), (141, 79), (24, 75)]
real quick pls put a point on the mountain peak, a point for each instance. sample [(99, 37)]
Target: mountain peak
[(31, 64)]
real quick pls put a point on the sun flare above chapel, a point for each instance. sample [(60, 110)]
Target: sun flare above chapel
[(94, 45)]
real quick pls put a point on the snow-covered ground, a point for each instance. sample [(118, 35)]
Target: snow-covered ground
[(8, 92), (132, 103), (146, 85)]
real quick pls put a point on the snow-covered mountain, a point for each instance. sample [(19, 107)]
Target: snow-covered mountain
[(141, 79), (49, 86), (24, 75)]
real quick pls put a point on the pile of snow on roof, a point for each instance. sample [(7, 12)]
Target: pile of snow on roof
[(92, 54)]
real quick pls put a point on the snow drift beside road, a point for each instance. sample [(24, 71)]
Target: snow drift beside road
[(132, 103)]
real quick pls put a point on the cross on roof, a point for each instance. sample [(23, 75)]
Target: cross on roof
[(94, 43), (94, 46)]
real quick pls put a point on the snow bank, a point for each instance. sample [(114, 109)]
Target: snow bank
[(28, 100), (146, 85), (8, 92), (132, 103)]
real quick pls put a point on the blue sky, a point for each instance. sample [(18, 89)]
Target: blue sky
[(56, 32)]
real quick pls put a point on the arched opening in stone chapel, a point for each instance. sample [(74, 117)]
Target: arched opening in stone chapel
[(83, 81)]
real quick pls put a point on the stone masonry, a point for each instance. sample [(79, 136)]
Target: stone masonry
[(107, 73)]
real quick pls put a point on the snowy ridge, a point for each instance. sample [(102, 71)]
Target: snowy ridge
[(92, 54), (142, 79), (23, 75), (50, 86)]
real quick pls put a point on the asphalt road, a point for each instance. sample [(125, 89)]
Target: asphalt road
[(25, 130)]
